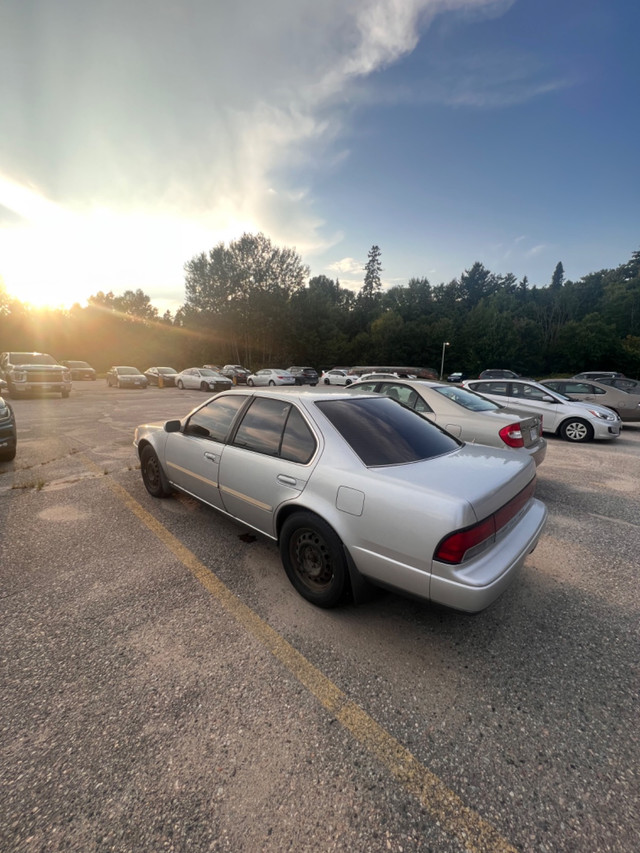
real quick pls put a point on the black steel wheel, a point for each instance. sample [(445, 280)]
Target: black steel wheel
[(575, 429), (152, 474), (314, 560)]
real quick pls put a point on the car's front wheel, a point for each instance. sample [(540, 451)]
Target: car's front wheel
[(576, 430), (180, 384), (250, 382), (314, 560), (152, 474), (204, 386)]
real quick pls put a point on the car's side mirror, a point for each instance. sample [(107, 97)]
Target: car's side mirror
[(172, 426), (547, 399)]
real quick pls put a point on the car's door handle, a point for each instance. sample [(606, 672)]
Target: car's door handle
[(287, 481), (211, 457)]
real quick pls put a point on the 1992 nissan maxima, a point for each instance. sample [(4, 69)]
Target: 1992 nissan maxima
[(354, 489)]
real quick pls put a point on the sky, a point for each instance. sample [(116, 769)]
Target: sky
[(136, 134)]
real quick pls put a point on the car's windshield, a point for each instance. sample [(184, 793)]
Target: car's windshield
[(128, 371), (78, 364), (31, 358), (214, 373), (467, 399), (383, 433), (166, 370)]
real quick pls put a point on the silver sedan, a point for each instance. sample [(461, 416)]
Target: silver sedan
[(202, 378), (355, 490), (464, 414), (271, 376)]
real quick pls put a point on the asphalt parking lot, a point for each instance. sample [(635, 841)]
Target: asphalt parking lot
[(165, 688)]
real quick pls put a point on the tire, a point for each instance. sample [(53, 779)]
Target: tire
[(271, 382), (250, 382), (348, 382), (204, 386), (314, 560), (576, 430), (108, 383), (118, 384), (65, 393), (327, 382), (8, 455), (152, 474), (180, 384)]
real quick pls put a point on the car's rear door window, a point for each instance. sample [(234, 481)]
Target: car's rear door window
[(383, 433)]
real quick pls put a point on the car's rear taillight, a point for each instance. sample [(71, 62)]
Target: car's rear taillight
[(512, 435), (455, 547)]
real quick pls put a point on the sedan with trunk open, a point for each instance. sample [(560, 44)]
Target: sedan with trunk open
[(355, 490)]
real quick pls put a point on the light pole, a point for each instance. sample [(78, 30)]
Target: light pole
[(444, 346)]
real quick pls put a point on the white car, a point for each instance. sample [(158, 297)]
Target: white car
[(354, 489), (271, 376), (202, 378), (337, 376), (569, 419)]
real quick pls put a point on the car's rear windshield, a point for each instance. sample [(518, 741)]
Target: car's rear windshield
[(383, 433), (31, 358), (471, 401)]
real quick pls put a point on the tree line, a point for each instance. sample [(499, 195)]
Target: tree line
[(254, 303)]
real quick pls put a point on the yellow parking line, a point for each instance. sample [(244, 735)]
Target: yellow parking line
[(444, 806)]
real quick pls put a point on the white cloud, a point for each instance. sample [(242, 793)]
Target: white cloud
[(195, 112)]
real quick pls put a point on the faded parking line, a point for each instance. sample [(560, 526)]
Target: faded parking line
[(443, 805)]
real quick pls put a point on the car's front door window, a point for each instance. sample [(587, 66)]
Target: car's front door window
[(213, 420)]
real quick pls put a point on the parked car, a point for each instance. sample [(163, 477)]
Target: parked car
[(498, 374), (368, 377), (202, 378), (34, 373), (569, 419), (598, 374), (337, 376), (166, 374), (354, 488), (621, 402), (464, 414), (8, 431), (457, 376), (123, 376), (236, 373), (271, 376), (80, 370), (304, 375)]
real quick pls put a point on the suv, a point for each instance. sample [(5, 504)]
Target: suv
[(34, 372), (304, 375), (236, 373)]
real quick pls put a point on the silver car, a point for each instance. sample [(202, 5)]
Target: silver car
[(463, 413), (569, 419), (354, 489), (271, 376), (623, 403), (202, 378)]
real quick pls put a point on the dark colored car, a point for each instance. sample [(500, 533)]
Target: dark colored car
[(457, 376), (126, 377), (8, 432), (161, 376), (236, 373), (304, 375), (80, 370), (499, 374)]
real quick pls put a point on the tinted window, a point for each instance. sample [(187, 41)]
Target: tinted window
[(298, 443), (262, 426), (528, 392), (213, 420), (491, 388), (383, 433)]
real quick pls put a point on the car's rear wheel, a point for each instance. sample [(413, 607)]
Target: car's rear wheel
[(327, 382), (576, 430), (314, 560), (152, 474), (180, 384), (271, 382)]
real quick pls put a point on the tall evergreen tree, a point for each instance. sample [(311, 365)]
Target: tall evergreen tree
[(372, 286), (557, 279)]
